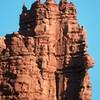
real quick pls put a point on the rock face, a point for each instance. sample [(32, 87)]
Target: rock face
[(47, 58)]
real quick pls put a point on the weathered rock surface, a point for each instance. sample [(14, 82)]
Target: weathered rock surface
[(47, 58)]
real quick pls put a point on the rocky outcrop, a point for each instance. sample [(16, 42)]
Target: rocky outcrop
[(47, 58)]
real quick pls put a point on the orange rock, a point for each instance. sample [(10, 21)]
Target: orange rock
[(47, 59)]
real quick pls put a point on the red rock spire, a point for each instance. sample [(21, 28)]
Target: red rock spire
[(47, 59)]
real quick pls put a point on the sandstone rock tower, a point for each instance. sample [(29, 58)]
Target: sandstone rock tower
[(47, 58)]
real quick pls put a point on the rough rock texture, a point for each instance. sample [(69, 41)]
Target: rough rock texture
[(47, 58)]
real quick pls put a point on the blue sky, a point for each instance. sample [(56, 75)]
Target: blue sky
[(88, 16)]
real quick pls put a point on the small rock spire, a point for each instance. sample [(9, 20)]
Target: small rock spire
[(63, 1), (62, 5), (24, 8)]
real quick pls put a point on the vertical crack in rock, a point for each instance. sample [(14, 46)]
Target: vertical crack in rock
[(47, 58)]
